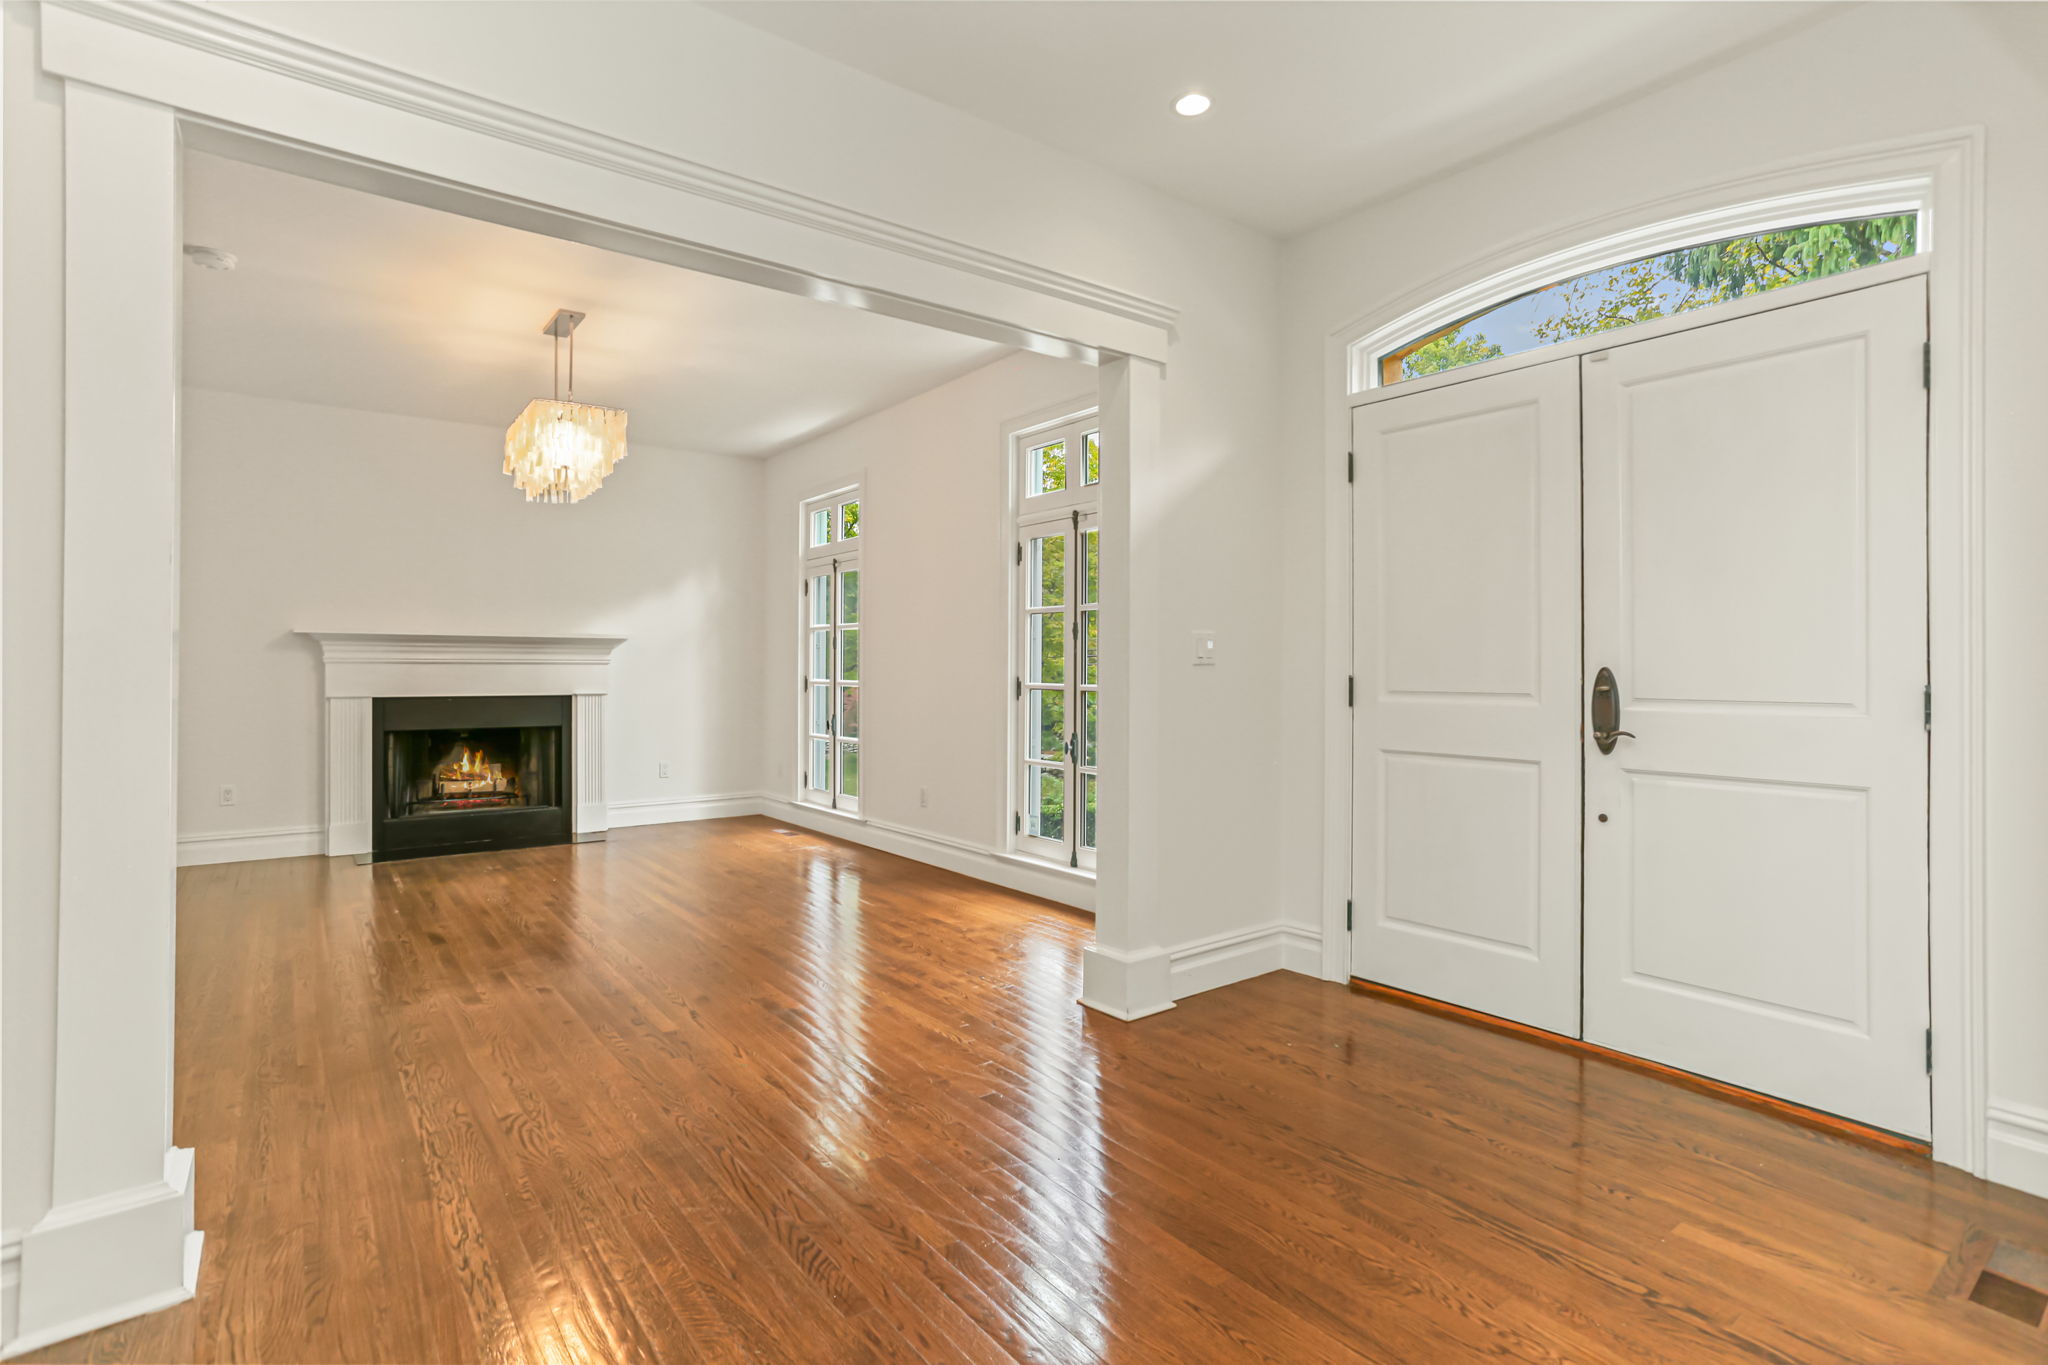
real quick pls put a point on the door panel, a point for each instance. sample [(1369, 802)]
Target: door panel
[(1434, 807), (1755, 561), (1747, 527), (1466, 766), (1459, 525)]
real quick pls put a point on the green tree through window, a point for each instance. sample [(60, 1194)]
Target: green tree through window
[(1665, 285)]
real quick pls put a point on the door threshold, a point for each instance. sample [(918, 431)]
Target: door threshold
[(1817, 1119)]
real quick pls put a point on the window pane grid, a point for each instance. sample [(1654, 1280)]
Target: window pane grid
[(830, 718)]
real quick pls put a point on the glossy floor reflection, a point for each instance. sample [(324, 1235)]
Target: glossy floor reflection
[(730, 1092)]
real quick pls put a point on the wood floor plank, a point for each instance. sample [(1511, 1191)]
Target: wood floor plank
[(731, 1092)]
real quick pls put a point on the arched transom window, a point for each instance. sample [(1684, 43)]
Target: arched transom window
[(1653, 287)]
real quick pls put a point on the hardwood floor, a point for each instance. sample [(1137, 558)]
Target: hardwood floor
[(725, 1091)]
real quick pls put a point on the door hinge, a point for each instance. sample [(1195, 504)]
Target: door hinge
[(1020, 688), (1351, 466), (1016, 822), (1927, 707), (1926, 364), (1930, 1052), (1351, 690), (1347, 917), (1020, 552)]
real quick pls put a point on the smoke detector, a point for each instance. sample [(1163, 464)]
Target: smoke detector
[(210, 257)]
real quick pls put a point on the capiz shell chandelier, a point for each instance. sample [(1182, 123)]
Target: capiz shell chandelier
[(560, 450)]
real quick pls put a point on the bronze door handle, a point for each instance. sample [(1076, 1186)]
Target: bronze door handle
[(1607, 712)]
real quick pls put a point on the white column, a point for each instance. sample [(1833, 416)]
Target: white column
[(118, 1239), (1124, 973)]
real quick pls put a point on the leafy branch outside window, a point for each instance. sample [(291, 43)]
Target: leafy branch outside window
[(1661, 286)]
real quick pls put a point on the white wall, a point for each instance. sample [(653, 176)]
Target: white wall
[(934, 595), (304, 517), (1864, 74)]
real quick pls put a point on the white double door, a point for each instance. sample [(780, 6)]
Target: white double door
[(1731, 520)]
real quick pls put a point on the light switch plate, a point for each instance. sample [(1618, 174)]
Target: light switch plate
[(1205, 648)]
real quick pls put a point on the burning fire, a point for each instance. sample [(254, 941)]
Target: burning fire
[(467, 772)]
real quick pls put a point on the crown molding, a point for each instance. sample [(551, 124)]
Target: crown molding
[(204, 30)]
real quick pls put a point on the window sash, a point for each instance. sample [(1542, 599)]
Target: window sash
[(1077, 489), (831, 693), (1054, 751)]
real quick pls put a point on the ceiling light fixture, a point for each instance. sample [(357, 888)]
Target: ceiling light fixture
[(560, 450), (1191, 104)]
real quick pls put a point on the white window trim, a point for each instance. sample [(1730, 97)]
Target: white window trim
[(1939, 175), (1022, 511), (830, 559)]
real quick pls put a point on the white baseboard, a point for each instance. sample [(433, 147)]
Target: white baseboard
[(955, 855), (2017, 1147), (1134, 985), (664, 810), (251, 845), (1221, 959), (300, 841), (99, 1261), (1123, 985)]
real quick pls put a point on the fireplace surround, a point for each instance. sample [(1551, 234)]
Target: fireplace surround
[(449, 684)]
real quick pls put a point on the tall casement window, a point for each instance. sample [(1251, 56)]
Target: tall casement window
[(829, 761), (1058, 498)]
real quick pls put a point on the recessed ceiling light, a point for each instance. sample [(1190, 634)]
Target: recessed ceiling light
[(1191, 104), (210, 257)]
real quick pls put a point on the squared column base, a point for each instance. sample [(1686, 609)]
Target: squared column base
[(1126, 985), (98, 1261)]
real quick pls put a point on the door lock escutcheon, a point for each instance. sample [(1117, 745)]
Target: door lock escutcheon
[(1607, 711)]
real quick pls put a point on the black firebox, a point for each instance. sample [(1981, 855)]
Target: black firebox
[(468, 774)]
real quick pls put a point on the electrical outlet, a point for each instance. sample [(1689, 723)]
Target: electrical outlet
[(227, 794), (661, 770)]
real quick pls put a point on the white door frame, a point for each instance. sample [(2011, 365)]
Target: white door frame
[(1940, 175), (139, 80)]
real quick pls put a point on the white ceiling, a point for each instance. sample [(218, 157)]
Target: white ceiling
[(354, 300), (1320, 105)]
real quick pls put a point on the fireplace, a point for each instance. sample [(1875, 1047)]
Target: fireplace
[(469, 774)]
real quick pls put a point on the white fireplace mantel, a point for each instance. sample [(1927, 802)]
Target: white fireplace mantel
[(360, 666)]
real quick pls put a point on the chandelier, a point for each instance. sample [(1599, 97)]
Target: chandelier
[(559, 450)]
